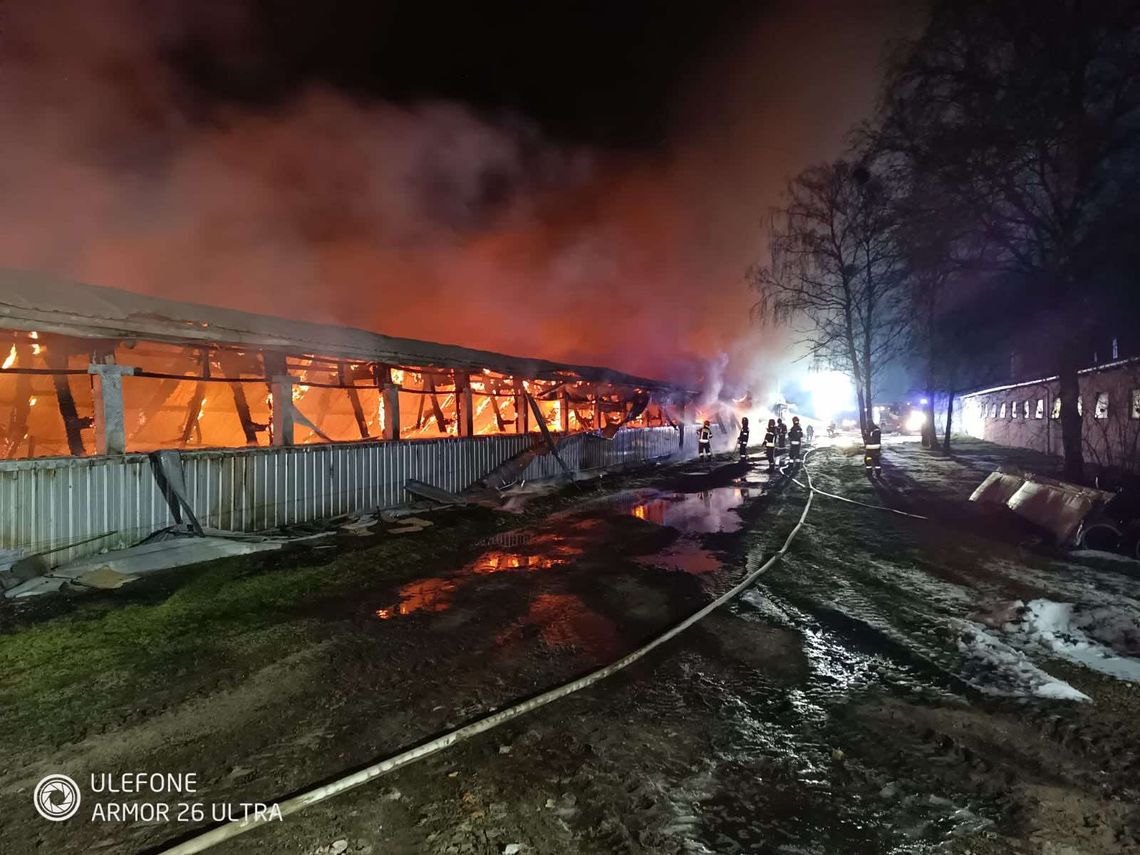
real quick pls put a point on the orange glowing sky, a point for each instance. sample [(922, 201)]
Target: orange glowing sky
[(376, 215)]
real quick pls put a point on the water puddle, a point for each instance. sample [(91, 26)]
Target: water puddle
[(510, 552), (707, 512), (564, 621), (560, 619), (684, 556), (423, 595)]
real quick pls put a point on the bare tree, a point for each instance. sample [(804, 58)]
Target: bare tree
[(931, 237), (1027, 115), (835, 272)]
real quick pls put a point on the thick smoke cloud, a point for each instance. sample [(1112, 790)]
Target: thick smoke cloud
[(426, 221)]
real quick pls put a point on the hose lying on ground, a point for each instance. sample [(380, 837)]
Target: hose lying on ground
[(205, 840), (814, 490)]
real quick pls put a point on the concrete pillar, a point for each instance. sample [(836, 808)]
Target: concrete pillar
[(110, 432), (391, 393), (564, 412), (281, 392), (464, 404)]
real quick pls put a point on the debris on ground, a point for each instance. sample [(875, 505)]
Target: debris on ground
[(1057, 506), (410, 525), (34, 587), (432, 493), (113, 569), (360, 526), (104, 578), (163, 555)]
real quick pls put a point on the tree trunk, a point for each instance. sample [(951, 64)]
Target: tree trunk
[(868, 373), (949, 420), (1071, 427), (929, 431)]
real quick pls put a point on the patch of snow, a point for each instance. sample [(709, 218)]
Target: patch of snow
[(996, 668), (1102, 637)]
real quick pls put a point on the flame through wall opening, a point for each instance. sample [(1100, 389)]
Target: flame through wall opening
[(219, 386)]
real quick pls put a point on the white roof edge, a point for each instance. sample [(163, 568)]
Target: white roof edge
[(1093, 370), (31, 300)]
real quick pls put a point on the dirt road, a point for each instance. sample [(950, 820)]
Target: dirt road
[(895, 685)]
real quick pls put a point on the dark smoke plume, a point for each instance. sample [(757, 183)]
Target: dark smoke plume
[(427, 221)]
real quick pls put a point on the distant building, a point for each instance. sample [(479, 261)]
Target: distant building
[(1027, 414)]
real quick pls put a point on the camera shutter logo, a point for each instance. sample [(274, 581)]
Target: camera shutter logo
[(56, 798)]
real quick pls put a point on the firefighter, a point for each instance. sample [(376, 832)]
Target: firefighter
[(795, 438), (742, 440), (704, 440), (781, 435), (770, 445), (873, 450), (809, 434)]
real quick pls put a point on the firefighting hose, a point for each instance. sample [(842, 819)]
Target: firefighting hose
[(815, 490), (753, 571)]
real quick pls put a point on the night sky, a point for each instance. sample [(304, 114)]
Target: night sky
[(597, 73)]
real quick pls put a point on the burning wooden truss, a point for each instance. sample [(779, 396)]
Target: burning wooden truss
[(87, 370)]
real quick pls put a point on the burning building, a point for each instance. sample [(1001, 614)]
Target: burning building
[(272, 421)]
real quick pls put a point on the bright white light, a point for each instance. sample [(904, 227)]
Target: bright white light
[(923, 401), (916, 420), (832, 392)]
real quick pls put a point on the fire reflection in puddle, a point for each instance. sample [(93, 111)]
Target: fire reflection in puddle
[(684, 556), (699, 513), (539, 552), (564, 621), (423, 595), (518, 551)]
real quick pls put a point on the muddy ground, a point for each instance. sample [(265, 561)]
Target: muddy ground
[(869, 695)]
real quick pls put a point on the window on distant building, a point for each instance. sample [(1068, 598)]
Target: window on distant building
[(993, 410), (1080, 405), (1025, 411), (1136, 403), (1056, 408), (1040, 414), (1001, 412), (1100, 411), (1013, 409)]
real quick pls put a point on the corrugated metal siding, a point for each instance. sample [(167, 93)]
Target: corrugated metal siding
[(583, 452), (61, 502)]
